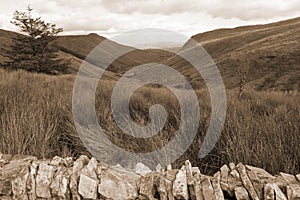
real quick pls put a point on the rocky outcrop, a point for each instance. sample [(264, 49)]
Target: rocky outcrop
[(26, 177)]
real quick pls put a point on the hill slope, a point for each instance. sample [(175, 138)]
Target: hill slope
[(271, 52)]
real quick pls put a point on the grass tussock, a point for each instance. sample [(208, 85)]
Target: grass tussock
[(261, 128)]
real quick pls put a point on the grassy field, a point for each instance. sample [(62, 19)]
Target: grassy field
[(261, 129)]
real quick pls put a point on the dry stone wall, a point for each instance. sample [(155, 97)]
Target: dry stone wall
[(26, 178)]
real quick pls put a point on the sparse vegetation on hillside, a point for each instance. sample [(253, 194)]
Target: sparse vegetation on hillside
[(261, 129)]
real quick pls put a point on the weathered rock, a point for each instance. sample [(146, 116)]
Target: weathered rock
[(5, 186), (19, 185), (142, 169), (235, 174), (11, 170), (6, 198), (68, 162), (280, 181), (293, 191), (60, 184), (232, 183), (31, 184), (260, 173), (232, 166), (189, 175), (197, 186), (207, 189), (298, 177), (171, 174), (246, 181), (117, 177), (147, 186), (56, 161), (279, 195), (87, 187), (241, 193), (43, 180), (169, 188), (76, 170), (4, 159), (256, 182), (180, 189), (269, 192), (158, 167), (88, 181), (224, 177), (290, 179), (217, 187), (162, 188)]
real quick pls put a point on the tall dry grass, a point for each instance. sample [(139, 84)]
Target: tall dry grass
[(261, 129)]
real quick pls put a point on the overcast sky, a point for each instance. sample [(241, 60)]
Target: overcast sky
[(188, 17)]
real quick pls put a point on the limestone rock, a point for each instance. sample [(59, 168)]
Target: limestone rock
[(60, 184), (207, 189), (68, 162), (298, 177), (293, 191), (246, 181), (260, 173), (76, 170), (241, 193), (256, 182), (6, 198), (269, 193), (147, 186), (235, 174), (117, 177), (87, 187), (4, 159), (180, 189), (171, 174), (142, 169), (232, 166), (19, 185), (169, 188), (290, 179), (43, 180), (217, 187), (162, 188), (88, 181), (11, 170), (56, 161), (279, 195), (197, 186), (224, 177), (31, 185), (189, 175), (5, 186), (232, 183)]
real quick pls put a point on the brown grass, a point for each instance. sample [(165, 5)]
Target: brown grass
[(261, 129)]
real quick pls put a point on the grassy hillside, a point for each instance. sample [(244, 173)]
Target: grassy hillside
[(261, 129), (271, 52)]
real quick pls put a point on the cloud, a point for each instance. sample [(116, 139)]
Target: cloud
[(244, 10), (110, 17)]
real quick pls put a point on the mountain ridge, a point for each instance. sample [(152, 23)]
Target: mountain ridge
[(270, 53)]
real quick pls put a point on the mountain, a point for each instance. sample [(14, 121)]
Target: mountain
[(269, 54)]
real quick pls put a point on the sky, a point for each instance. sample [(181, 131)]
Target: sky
[(188, 17)]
